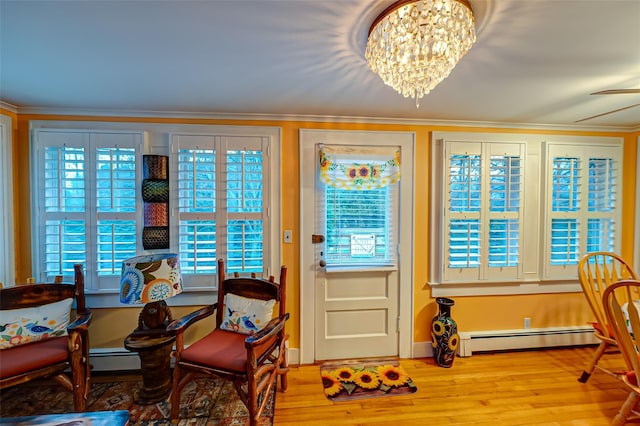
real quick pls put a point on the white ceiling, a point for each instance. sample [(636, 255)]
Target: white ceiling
[(535, 62)]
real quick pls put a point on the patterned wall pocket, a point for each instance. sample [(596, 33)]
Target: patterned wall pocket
[(155, 194)]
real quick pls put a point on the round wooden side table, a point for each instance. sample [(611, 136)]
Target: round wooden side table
[(154, 349)]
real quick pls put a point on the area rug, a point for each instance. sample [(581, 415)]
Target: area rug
[(367, 378), (204, 401)]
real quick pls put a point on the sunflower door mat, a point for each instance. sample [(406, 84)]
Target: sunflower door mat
[(365, 378)]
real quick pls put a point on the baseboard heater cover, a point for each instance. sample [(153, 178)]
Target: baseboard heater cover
[(120, 359), (479, 341)]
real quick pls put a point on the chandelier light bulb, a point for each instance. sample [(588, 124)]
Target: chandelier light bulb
[(414, 44)]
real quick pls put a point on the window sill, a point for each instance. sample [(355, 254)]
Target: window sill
[(111, 299), (501, 289)]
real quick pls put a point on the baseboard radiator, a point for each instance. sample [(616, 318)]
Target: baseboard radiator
[(120, 359), (481, 341)]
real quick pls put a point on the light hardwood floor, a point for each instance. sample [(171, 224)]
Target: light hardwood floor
[(507, 388)]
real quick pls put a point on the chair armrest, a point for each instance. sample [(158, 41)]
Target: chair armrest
[(81, 323), (272, 328), (181, 324)]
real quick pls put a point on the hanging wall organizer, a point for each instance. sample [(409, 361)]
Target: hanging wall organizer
[(155, 194)]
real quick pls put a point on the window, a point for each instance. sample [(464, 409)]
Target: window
[(482, 214), (359, 203), (85, 200), (582, 205), (7, 266), (515, 213), (222, 210)]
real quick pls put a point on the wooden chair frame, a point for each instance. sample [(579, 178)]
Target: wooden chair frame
[(597, 271), (265, 350), (32, 295), (615, 298)]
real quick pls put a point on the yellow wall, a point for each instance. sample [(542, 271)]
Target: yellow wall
[(110, 326)]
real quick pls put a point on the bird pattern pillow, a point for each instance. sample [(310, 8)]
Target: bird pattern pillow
[(26, 325), (246, 316)]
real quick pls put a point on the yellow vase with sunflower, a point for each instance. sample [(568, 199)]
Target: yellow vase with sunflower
[(444, 334)]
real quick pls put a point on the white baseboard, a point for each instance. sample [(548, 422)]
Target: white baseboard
[(496, 340), (119, 359)]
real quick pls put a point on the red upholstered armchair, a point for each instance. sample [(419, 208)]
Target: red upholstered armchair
[(247, 346), (38, 337)]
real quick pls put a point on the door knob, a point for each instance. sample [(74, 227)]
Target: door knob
[(322, 263), (317, 239)]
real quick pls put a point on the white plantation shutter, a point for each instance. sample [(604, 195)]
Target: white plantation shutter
[(246, 214), (116, 192), (505, 208), (582, 204), (85, 203), (463, 236), (64, 216), (482, 211), (197, 210), (514, 213), (222, 213)]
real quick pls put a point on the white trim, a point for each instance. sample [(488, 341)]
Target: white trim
[(9, 107), (311, 117), (309, 137), (506, 288), (532, 256), (7, 259), (636, 249)]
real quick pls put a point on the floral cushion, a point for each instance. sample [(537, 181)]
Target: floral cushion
[(246, 316), (26, 325)]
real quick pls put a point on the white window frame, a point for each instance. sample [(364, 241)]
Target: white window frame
[(583, 153), (355, 155), (482, 273), (90, 140), (221, 145), (157, 142), (532, 279), (7, 241)]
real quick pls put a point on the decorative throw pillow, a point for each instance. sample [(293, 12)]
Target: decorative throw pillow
[(20, 326), (246, 316)]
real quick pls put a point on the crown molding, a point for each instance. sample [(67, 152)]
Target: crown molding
[(314, 118), (9, 107)]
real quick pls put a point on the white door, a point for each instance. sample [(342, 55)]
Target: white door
[(354, 247)]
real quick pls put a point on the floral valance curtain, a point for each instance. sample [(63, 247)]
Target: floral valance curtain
[(356, 167)]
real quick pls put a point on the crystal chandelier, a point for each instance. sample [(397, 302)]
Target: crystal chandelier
[(414, 44)]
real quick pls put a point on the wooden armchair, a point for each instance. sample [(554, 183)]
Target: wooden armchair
[(621, 304), (247, 346), (597, 271), (38, 339)]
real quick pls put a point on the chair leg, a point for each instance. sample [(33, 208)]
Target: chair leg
[(283, 367), (602, 347), (625, 410), (283, 376), (176, 390)]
